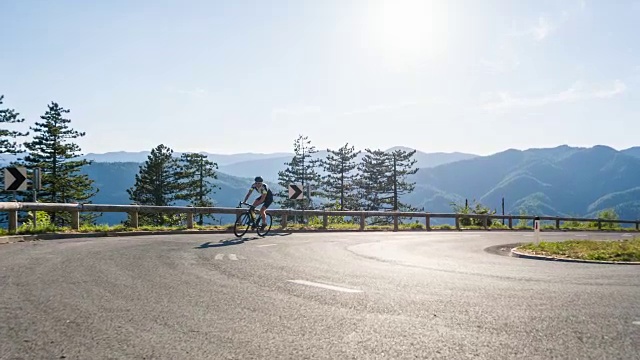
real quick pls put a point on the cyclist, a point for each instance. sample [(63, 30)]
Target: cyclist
[(265, 198)]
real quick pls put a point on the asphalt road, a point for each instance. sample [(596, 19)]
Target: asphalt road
[(332, 295)]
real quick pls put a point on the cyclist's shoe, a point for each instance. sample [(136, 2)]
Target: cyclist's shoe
[(263, 226)]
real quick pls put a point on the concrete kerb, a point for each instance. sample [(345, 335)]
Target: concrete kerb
[(523, 255)]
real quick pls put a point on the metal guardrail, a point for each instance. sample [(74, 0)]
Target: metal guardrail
[(75, 209)]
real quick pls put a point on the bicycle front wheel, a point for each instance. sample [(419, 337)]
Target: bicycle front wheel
[(243, 221), (266, 228)]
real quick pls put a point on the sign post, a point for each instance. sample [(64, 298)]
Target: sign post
[(536, 228), (37, 183), (296, 192)]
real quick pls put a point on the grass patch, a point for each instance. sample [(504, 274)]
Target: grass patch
[(612, 250)]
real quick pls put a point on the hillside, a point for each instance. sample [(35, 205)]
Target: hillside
[(562, 181)]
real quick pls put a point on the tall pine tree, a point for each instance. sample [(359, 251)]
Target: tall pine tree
[(301, 170), (383, 180), (195, 177), (8, 137), (9, 145), (157, 184), (52, 151), (373, 182), (338, 183), (401, 164)]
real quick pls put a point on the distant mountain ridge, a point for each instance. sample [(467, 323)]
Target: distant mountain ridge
[(141, 156), (563, 181)]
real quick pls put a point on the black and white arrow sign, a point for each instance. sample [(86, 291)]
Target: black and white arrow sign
[(295, 192), (15, 178)]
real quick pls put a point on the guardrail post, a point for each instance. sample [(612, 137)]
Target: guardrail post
[(557, 224), (362, 221), (599, 225), (457, 222), (637, 225), (510, 222), (13, 220), (427, 222), (75, 220), (283, 222), (395, 222), (485, 221), (325, 221), (189, 220), (134, 219)]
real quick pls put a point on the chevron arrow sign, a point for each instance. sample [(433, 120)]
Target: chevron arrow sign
[(295, 192), (15, 178)]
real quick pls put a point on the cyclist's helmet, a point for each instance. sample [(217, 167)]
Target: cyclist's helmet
[(258, 179)]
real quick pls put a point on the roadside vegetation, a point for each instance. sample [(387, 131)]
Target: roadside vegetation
[(611, 250)]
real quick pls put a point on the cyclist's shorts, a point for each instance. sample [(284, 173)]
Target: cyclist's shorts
[(267, 201)]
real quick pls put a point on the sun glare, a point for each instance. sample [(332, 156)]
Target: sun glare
[(408, 32)]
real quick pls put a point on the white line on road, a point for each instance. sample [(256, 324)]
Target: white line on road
[(264, 245), (582, 235), (636, 323), (219, 256), (627, 235), (330, 287), (233, 257)]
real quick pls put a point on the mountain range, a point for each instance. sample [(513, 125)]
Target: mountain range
[(563, 180)]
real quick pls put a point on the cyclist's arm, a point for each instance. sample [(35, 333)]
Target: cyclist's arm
[(248, 193)]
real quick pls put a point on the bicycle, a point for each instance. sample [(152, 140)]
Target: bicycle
[(250, 219)]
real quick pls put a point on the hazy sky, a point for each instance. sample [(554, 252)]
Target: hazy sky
[(249, 76)]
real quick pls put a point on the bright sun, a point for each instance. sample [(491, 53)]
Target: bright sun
[(408, 32)]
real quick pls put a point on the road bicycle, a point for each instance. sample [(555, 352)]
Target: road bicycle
[(250, 218)]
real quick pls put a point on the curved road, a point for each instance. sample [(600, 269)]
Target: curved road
[(331, 295)]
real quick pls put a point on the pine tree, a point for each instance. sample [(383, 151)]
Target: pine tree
[(300, 170), (338, 183), (402, 163), (8, 142), (52, 151), (9, 146), (157, 184), (383, 179), (196, 173), (372, 182)]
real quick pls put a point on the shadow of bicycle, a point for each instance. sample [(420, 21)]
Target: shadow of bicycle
[(237, 241)]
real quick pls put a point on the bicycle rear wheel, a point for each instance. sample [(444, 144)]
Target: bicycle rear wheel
[(243, 221), (266, 228)]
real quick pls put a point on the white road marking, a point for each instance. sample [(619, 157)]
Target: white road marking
[(233, 257), (264, 245), (219, 256), (325, 286), (627, 235), (636, 323), (582, 235)]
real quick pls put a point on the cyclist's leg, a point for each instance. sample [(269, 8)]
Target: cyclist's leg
[(263, 210), (256, 202)]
